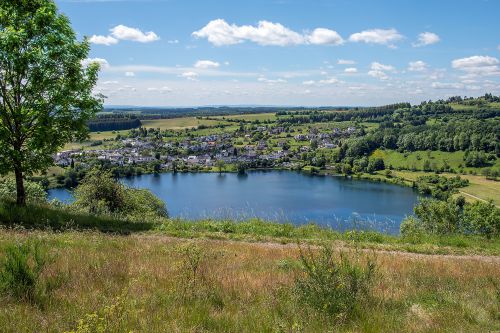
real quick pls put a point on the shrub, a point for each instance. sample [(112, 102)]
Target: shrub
[(335, 286), (411, 229), (482, 218), (35, 194), (99, 193), (20, 271)]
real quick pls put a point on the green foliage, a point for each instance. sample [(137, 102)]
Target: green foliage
[(100, 194), (47, 91), (35, 194), (439, 217), (453, 216), (411, 229), (482, 218), (21, 269), (337, 287), (438, 186)]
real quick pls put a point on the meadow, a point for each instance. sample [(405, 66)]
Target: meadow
[(154, 283)]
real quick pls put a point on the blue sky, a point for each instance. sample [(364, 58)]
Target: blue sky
[(289, 52)]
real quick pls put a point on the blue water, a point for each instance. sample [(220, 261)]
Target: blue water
[(283, 196)]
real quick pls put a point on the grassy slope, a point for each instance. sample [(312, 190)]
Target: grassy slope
[(141, 283), (416, 159), (479, 187)]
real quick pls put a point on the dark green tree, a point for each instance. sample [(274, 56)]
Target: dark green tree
[(46, 93)]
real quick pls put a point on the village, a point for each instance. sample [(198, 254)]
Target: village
[(270, 146)]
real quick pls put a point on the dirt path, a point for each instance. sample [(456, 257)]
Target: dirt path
[(339, 245)]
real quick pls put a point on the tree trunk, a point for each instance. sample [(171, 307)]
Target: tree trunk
[(21, 194)]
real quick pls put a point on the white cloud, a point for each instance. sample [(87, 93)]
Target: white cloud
[(351, 70), (219, 33), (266, 80), (381, 67), (477, 65), (206, 64), (440, 85), (123, 32), (102, 62), (379, 70), (173, 41), (308, 83), (190, 75), (331, 80), (474, 61), (378, 74), (426, 38), (103, 40), (321, 36), (417, 66), (345, 62), (162, 90), (377, 36), (129, 74)]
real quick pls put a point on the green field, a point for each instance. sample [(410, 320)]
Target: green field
[(479, 188), (415, 160), (251, 117), (179, 123)]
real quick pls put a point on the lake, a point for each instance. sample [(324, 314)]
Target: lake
[(283, 196)]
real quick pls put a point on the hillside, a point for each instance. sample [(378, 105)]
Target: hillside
[(151, 283)]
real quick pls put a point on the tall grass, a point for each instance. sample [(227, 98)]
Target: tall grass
[(334, 283)]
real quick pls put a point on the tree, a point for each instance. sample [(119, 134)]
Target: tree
[(221, 165), (46, 94)]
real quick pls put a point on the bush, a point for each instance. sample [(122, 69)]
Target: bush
[(454, 216), (336, 287), (411, 229), (482, 218), (20, 271), (100, 194), (35, 194)]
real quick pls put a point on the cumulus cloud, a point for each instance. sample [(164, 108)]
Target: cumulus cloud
[(308, 82), (266, 80), (345, 62), (219, 33), (379, 70), (122, 32), (206, 64), (321, 36), (103, 40), (162, 90), (331, 80), (378, 74), (381, 67), (426, 38), (377, 36), (477, 65), (190, 75), (129, 74), (417, 66), (440, 85), (351, 70), (102, 62)]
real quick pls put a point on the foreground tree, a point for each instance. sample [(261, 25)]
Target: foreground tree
[(46, 94)]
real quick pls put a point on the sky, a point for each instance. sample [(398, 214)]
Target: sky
[(289, 52)]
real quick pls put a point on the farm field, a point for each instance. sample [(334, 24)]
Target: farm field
[(178, 123), (251, 117)]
